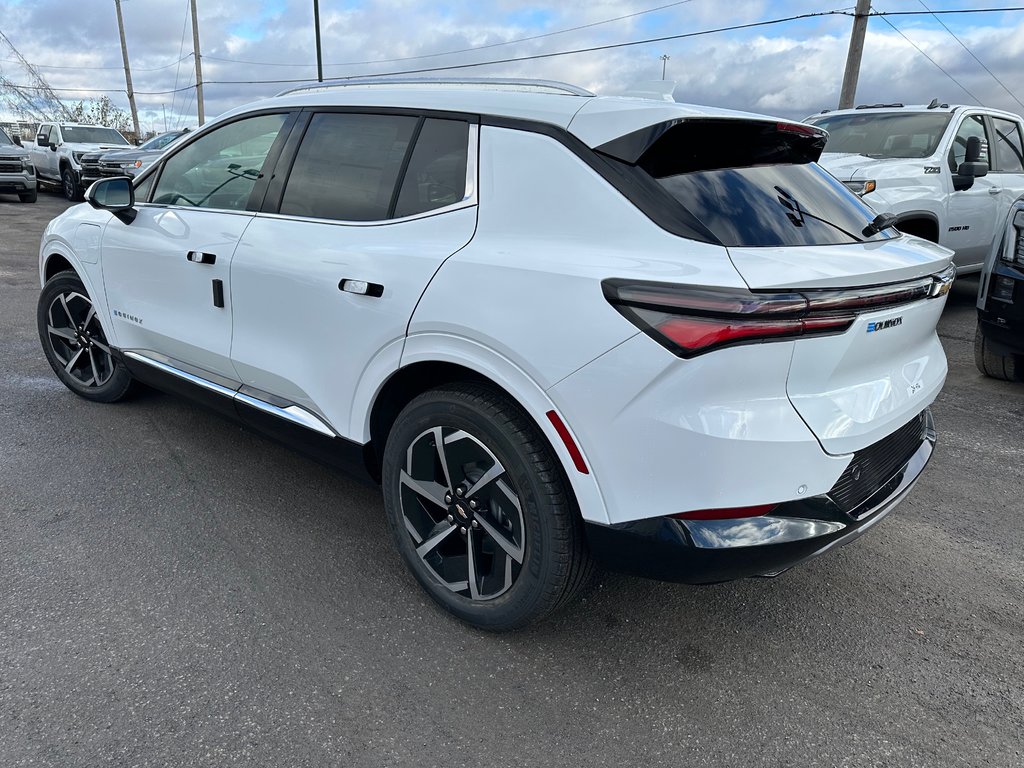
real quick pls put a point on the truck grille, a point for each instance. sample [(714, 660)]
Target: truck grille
[(6, 166), (874, 466), (90, 166), (111, 169)]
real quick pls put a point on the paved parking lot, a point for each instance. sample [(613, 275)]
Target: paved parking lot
[(177, 591)]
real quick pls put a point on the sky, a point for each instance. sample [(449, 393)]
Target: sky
[(792, 69)]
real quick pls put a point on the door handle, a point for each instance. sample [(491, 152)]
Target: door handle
[(994, 190), (198, 257), (361, 287)]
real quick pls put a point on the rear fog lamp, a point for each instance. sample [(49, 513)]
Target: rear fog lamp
[(731, 513)]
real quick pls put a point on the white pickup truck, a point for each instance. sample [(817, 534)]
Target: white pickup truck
[(58, 151), (948, 173)]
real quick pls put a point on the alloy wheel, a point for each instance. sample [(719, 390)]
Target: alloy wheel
[(462, 513), (77, 339)]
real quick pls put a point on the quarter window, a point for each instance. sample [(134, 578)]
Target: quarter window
[(347, 167), (973, 125), (436, 176), (220, 169), (1009, 152)]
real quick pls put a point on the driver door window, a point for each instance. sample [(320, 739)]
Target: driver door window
[(973, 125), (220, 169)]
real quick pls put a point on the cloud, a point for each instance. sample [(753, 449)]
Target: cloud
[(790, 69)]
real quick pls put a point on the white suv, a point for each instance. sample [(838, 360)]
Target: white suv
[(557, 328)]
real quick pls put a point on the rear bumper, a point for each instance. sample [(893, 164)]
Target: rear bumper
[(709, 551)]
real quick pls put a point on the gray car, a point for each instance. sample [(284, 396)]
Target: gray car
[(17, 174), (126, 162)]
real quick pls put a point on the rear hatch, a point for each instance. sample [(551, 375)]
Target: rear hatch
[(860, 301)]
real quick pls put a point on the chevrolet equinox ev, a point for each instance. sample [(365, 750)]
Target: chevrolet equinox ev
[(558, 329)]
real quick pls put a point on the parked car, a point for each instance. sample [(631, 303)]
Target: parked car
[(948, 173), (126, 162), (57, 154), (555, 327), (999, 340), (17, 174)]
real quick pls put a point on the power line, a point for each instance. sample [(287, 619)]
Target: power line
[(964, 46), (933, 61), (461, 50), (134, 69)]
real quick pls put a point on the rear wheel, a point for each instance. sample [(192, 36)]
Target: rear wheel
[(480, 509), (75, 343), (994, 364)]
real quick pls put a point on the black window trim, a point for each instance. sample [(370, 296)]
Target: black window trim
[(271, 203)]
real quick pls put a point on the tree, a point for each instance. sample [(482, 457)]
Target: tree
[(101, 112)]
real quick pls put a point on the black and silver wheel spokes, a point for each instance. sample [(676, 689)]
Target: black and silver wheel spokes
[(463, 515), (77, 339)]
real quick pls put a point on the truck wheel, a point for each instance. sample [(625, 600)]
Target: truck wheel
[(480, 509), (69, 184), (993, 364), (28, 197)]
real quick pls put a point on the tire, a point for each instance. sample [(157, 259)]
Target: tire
[(75, 344), (28, 197), (69, 184), (993, 364), (503, 555)]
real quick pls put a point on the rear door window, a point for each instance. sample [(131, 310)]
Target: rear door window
[(1009, 153), (348, 165), (436, 176)]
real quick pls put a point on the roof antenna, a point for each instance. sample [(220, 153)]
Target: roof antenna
[(933, 104)]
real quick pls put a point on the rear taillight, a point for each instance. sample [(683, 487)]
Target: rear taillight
[(692, 320)]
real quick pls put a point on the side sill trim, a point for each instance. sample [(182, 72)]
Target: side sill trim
[(294, 413)]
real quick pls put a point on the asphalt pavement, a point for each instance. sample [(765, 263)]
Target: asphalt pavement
[(177, 591)]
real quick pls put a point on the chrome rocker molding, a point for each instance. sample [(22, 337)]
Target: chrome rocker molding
[(709, 551), (270, 415)]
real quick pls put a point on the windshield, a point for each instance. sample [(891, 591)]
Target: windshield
[(3, 138), (89, 134), (884, 134), (161, 141)]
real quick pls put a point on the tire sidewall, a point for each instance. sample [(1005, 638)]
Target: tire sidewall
[(69, 184), (526, 596)]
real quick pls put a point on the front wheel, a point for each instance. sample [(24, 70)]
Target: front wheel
[(29, 197), (480, 509), (75, 343), (994, 364), (69, 184)]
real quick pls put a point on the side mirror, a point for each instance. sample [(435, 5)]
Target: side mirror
[(116, 195), (973, 153), (16, 139), (973, 167), (53, 147), (41, 139)]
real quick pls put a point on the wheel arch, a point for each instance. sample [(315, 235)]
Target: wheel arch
[(429, 363), (924, 224)]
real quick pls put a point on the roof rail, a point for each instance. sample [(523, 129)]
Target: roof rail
[(878, 106), (501, 83)]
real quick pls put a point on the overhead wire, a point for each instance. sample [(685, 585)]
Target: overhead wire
[(972, 55), (933, 61)]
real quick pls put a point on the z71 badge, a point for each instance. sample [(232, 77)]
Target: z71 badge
[(881, 325)]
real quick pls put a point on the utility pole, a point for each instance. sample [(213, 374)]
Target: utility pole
[(664, 61), (199, 64), (127, 71), (165, 117), (853, 56), (319, 59)]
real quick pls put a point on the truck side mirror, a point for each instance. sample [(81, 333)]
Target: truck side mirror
[(16, 139), (41, 139), (53, 147), (972, 168), (116, 195)]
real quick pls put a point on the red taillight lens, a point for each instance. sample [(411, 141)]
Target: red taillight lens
[(732, 513), (692, 320)]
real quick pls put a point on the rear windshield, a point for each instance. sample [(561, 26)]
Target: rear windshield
[(889, 134), (91, 135), (755, 184), (161, 141)]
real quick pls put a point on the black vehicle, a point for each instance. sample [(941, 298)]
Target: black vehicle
[(999, 342)]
